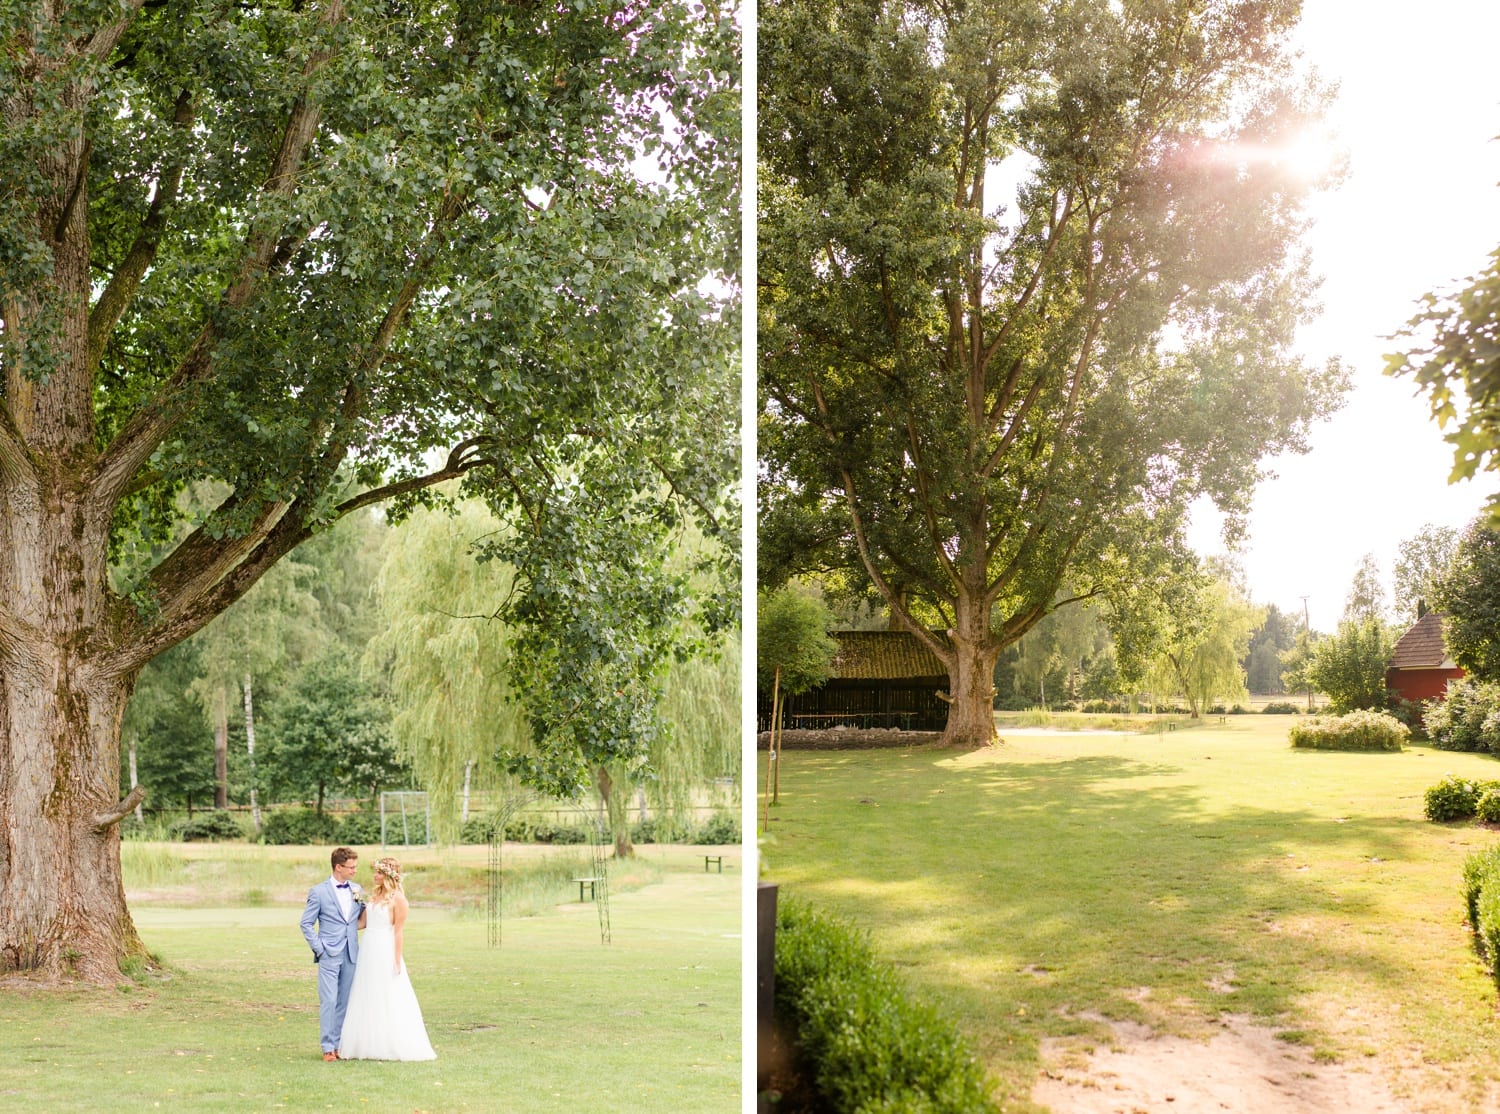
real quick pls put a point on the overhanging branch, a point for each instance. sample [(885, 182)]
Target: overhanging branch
[(215, 575)]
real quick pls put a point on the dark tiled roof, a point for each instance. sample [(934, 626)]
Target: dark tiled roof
[(878, 655), (1422, 646)]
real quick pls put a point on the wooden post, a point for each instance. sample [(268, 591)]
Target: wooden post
[(771, 747)]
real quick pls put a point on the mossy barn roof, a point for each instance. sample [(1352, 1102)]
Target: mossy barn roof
[(883, 655)]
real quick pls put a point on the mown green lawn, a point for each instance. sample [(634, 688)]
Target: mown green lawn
[(551, 1021), (1028, 889)]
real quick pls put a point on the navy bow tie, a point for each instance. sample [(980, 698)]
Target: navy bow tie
[(343, 885)]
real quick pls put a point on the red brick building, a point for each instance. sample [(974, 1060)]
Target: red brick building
[(1420, 667)]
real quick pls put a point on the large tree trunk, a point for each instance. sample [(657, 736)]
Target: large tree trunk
[(62, 897), (971, 676)]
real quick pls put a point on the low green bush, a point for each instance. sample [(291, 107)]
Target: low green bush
[(479, 829), (208, 826), (301, 825), (1453, 798), (1281, 708), (862, 1043), (1487, 808), (360, 829), (722, 828), (1481, 870), (1355, 731), (1487, 929)]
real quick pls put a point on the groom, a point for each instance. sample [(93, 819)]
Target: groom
[(335, 907)]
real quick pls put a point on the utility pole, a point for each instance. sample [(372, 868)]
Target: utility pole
[(1307, 628)]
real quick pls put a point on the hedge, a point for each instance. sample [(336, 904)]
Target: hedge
[(863, 1044), (208, 826), (1354, 731)]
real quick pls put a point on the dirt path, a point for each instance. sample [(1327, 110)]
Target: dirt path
[(1243, 1069)]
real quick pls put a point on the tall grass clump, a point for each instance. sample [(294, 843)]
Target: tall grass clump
[(1362, 730), (859, 1041)]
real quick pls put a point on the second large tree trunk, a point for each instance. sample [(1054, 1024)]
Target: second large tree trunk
[(971, 678)]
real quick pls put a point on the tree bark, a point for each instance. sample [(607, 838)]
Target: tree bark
[(971, 710), (221, 752)]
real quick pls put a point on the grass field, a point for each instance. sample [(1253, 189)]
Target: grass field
[(1032, 888), (553, 1020)]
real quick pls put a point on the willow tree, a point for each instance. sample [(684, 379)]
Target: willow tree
[(452, 662), (329, 254), (1030, 274), (445, 655), (1202, 657)]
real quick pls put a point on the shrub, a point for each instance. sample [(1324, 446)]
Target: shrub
[(480, 829), (208, 826), (1467, 719), (1453, 798), (1355, 731), (361, 828), (300, 825), (1481, 870), (1487, 929), (865, 1045), (723, 827), (1281, 708), (659, 829)]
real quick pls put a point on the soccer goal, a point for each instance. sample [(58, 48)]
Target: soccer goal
[(405, 818)]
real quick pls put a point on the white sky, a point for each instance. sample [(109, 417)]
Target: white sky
[(1418, 107)]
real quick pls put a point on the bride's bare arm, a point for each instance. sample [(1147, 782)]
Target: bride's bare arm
[(398, 921)]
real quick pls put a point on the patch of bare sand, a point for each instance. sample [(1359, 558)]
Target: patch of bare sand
[(1243, 1069)]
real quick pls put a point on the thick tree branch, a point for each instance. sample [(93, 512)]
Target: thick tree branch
[(929, 510), (135, 443), (127, 277), (101, 44), (233, 569), (103, 821), (892, 598)]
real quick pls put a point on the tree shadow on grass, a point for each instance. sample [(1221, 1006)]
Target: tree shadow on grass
[(1022, 894)]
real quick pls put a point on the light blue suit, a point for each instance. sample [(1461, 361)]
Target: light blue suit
[(335, 946)]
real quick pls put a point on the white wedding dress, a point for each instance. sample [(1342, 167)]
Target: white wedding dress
[(384, 1021)]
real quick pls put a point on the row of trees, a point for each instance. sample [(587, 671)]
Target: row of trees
[(376, 660)]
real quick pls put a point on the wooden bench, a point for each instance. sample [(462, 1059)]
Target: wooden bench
[(589, 882), (717, 860)]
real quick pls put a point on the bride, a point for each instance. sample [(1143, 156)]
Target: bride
[(384, 1021)]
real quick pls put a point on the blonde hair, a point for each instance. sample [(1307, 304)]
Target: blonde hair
[(387, 878)]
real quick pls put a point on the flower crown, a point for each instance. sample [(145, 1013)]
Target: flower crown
[(388, 868)]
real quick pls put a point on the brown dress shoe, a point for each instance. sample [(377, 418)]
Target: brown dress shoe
[(329, 1057)]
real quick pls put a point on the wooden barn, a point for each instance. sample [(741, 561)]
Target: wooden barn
[(1420, 667), (880, 679)]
